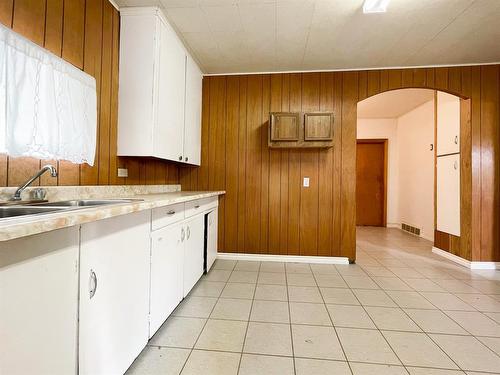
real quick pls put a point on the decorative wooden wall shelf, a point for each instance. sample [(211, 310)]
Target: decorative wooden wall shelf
[(301, 130)]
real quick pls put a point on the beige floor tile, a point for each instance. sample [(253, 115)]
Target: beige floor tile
[(435, 321), (235, 309), (406, 272), (225, 335), (468, 353), (179, 332), (493, 315), (195, 307), (211, 363), (476, 323), (417, 349), (217, 275), (270, 311), (309, 313), (481, 302), (324, 269), (429, 371), (252, 364), (371, 369), (349, 316), (423, 285), (339, 296), (272, 267), (316, 342), (485, 286), (207, 288), (410, 300), (247, 265), (243, 277), (455, 286), (360, 282), (268, 338), (306, 366), (304, 294), (238, 290), (374, 298), (165, 361), (379, 271), (273, 278), (300, 279), (271, 292), (391, 283), (224, 264), (447, 301), (298, 268), (491, 342), (330, 281), (366, 346), (391, 319), (350, 270)]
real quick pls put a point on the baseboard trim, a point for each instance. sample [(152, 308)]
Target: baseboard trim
[(465, 262), (283, 258)]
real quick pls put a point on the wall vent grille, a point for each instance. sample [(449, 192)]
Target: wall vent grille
[(410, 229)]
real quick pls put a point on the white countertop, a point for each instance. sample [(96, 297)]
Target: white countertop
[(22, 226)]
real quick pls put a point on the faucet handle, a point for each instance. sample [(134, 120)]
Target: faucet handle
[(38, 194)]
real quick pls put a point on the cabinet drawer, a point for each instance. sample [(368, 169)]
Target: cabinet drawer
[(201, 205), (163, 216)]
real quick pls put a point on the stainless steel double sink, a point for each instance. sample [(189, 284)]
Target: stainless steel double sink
[(25, 209)]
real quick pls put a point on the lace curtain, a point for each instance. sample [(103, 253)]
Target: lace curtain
[(48, 107)]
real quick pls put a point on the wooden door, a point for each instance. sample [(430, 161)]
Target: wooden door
[(371, 182)]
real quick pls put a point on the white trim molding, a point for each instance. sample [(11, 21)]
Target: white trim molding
[(113, 2), (283, 258), (465, 262)]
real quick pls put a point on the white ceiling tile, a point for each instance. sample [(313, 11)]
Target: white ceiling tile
[(188, 20), (223, 18), (294, 15), (179, 3)]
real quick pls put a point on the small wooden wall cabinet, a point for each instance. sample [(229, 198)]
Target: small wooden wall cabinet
[(301, 130)]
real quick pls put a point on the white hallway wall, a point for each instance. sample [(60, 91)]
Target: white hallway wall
[(410, 169)]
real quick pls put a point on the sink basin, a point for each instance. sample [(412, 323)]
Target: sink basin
[(15, 211), (85, 202)]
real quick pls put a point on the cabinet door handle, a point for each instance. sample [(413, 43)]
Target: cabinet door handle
[(171, 212), (186, 158), (456, 139), (197, 206), (455, 165), (92, 284), (183, 235), (180, 157), (188, 233)]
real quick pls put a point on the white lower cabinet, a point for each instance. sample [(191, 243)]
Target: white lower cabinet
[(448, 194), (212, 238), (193, 251), (167, 257), (114, 293), (39, 304)]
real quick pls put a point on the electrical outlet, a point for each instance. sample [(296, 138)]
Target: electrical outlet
[(122, 172), (306, 182)]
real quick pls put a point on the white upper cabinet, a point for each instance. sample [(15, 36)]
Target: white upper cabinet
[(448, 124), (192, 130), (159, 92)]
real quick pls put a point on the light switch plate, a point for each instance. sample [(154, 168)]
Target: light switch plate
[(306, 182), (122, 172)]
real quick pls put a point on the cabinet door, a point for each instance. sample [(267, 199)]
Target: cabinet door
[(39, 304), (114, 293), (212, 238), (448, 194), (192, 130), (167, 255), (448, 124), (168, 136), (194, 249)]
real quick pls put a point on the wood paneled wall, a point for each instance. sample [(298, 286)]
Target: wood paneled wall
[(86, 34), (266, 209)]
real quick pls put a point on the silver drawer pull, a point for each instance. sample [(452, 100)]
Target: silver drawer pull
[(197, 206), (188, 233), (183, 235), (92, 284), (171, 212)]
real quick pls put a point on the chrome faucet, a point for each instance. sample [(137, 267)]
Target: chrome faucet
[(20, 189)]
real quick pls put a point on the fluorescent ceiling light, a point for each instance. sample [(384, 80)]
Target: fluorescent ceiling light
[(375, 6)]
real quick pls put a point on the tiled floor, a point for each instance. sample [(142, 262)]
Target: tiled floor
[(399, 310)]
